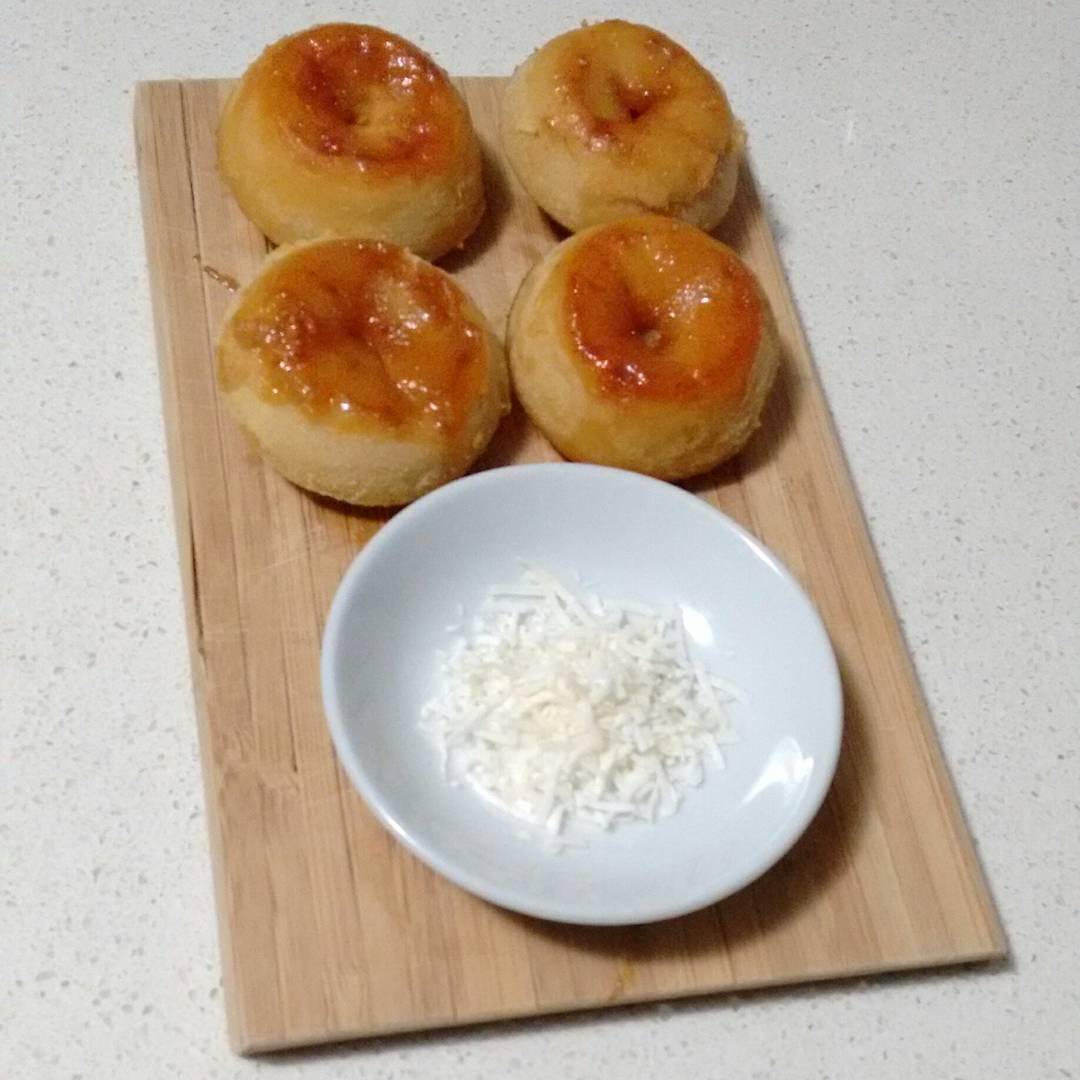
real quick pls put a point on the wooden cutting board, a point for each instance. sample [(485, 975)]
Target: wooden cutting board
[(330, 929)]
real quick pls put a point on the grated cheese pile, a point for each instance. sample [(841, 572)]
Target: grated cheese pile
[(564, 710)]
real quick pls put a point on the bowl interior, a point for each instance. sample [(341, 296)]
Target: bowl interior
[(630, 539)]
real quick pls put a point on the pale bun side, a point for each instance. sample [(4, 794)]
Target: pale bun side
[(365, 469)]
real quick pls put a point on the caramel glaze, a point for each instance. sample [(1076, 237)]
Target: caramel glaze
[(658, 310), (364, 95), (613, 78), (603, 104), (359, 334)]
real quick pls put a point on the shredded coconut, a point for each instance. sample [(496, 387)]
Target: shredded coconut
[(564, 710)]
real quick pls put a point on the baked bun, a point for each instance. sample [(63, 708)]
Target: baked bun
[(643, 344), (616, 119), (361, 371), (345, 130)]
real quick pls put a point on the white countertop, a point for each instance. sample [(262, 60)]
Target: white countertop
[(922, 169)]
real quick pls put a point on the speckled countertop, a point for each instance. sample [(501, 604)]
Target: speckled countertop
[(922, 166)]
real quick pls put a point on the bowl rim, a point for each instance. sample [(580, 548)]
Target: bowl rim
[(514, 900)]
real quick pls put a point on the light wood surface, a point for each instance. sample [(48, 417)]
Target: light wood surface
[(329, 929)]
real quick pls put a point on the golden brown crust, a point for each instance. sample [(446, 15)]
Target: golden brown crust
[(644, 344), (346, 130), (361, 371), (616, 119)]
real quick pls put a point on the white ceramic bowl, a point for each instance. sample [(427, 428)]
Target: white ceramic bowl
[(632, 539)]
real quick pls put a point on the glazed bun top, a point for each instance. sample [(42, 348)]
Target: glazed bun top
[(657, 310), (364, 97), (620, 89), (361, 336)]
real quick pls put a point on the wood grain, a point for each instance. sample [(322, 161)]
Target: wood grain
[(329, 929)]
